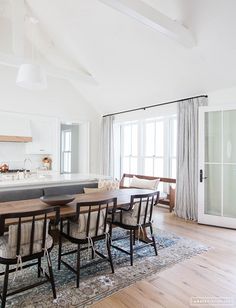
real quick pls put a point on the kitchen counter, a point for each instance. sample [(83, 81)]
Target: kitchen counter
[(47, 179)]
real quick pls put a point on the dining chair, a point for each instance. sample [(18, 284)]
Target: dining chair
[(88, 226), (136, 218), (27, 239)]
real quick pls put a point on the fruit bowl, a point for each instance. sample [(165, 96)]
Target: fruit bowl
[(57, 200)]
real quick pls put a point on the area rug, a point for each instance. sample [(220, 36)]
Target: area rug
[(97, 281)]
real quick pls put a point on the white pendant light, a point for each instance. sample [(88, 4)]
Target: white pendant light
[(30, 75)]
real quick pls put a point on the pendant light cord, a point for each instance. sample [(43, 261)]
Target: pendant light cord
[(32, 41), (33, 21)]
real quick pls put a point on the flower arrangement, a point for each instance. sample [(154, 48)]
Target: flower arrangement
[(47, 162)]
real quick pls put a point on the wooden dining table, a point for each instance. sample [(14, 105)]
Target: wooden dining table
[(122, 195)]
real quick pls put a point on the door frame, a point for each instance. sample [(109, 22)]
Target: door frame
[(203, 218)]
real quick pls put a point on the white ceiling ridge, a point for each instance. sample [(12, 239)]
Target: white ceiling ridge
[(154, 19), (58, 66)]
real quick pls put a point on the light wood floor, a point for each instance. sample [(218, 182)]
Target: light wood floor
[(207, 275)]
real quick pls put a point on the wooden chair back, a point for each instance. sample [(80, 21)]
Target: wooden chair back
[(20, 218), (143, 207), (99, 209)]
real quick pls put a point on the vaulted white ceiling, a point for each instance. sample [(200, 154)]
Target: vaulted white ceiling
[(132, 64)]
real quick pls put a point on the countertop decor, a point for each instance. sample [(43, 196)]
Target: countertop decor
[(46, 179)]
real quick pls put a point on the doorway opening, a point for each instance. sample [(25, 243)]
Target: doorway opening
[(69, 148)]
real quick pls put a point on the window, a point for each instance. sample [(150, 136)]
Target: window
[(148, 147), (129, 148), (154, 148), (66, 151)]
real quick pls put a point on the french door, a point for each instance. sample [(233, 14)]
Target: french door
[(217, 167)]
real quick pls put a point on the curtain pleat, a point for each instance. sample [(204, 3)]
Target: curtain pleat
[(187, 158), (107, 146)]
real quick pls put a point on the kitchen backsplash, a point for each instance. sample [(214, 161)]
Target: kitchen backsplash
[(14, 155)]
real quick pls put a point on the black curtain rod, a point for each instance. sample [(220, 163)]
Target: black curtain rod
[(156, 105)]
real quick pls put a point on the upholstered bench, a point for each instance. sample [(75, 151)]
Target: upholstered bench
[(34, 193), (21, 194), (168, 200), (68, 189)]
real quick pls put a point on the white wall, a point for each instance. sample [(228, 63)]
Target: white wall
[(60, 100), (154, 112), (14, 154), (223, 97)]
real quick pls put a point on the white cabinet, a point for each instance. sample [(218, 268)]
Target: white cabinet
[(43, 136)]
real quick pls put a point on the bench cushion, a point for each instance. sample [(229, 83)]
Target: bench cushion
[(93, 190), (144, 184), (109, 184)]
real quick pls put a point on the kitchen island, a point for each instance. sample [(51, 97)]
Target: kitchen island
[(46, 179)]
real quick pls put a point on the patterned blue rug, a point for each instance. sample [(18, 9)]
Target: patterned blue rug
[(97, 281)]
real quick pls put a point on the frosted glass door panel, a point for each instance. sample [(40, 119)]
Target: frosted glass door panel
[(213, 144), (229, 191), (213, 189), (217, 166), (229, 129)]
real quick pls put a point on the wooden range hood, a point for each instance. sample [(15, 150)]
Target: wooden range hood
[(15, 139)]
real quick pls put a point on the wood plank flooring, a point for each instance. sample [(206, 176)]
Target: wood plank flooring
[(211, 274)]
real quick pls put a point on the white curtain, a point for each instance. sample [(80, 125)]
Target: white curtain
[(187, 158), (107, 146)]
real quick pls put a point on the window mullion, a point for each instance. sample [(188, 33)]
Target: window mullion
[(141, 145)]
